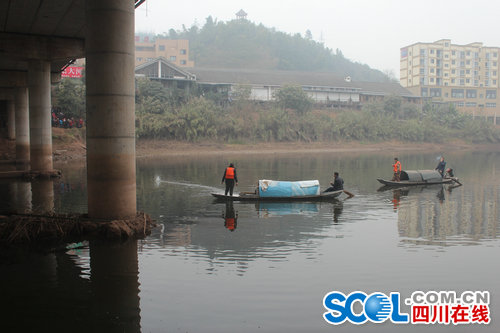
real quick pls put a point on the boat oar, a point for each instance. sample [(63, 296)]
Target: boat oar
[(455, 179), (348, 193)]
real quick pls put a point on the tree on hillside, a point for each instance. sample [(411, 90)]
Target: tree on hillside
[(243, 44)]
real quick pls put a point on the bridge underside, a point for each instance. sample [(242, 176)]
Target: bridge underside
[(37, 39)]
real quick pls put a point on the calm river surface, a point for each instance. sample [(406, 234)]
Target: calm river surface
[(247, 267)]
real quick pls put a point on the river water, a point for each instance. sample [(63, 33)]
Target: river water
[(247, 267)]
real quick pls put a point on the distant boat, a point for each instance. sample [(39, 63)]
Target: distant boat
[(418, 177), (273, 190)]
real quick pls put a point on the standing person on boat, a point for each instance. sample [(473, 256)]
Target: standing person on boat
[(230, 178), (337, 185), (441, 166), (396, 167)]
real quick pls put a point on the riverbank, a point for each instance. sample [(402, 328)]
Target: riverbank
[(69, 144)]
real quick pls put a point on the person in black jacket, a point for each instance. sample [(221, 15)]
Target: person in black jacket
[(337, 185), (441, 166)]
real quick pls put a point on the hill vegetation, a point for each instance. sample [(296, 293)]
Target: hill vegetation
[(243, 44)]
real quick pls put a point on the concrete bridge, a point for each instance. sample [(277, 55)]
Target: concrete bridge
[(38, 38)]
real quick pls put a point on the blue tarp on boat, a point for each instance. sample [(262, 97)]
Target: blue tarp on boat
[(285, 189)]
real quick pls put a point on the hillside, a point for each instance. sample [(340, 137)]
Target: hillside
[(243, 44)]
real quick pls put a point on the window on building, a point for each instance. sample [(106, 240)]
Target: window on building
[(432, 51), (453, 52), (446, 65), (432, 61), (422, 71), (422, 52), (446, 56), (183, 51), (486, 83), (453, 62), (476, 73), (162, 48), (183, 62), (470, 104), (494, 82), (495, 54), (487, 64), (487, 55), (424, 92), (173, 58), (422, 62), (462, 72), (435, 92), (460, 104), (462, 63), (462, 82), (452, 81), (467, 71), (471, 93), (431, 80), (432, 70), (494, 73), (468, 53), (476, 55), (457, 93), (468, 62), (446, 44), (453, 71), (467, 81), (445, 74), (494, 64), (491, 105), (462, 54), (491, 94), (476, 83), (476, 64), (446, 94)]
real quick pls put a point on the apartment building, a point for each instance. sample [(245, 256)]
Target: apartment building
[(148, 48), (464, 75)]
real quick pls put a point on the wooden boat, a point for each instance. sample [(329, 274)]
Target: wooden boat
[(251, 196), (418, 177)]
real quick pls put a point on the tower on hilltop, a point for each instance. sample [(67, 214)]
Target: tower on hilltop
[(241, 15)]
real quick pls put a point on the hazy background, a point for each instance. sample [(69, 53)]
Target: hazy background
[(366, 31)]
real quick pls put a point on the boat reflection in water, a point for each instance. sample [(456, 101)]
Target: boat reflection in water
[(445, 214), (269, 209)]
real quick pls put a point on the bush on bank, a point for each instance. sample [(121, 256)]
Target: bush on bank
[(170, 114)]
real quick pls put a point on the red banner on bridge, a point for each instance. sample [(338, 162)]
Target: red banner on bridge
[(72, 72)]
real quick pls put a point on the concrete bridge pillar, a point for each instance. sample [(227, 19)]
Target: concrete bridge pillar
[(11, 121), (110, 52), (22, 128), (39, 115)]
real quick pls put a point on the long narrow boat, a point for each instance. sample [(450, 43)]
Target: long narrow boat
[(418, 177), (273, 190), (244, 196)]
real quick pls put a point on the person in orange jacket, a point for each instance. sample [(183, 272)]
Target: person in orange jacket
[(230, 178), (396, 167)]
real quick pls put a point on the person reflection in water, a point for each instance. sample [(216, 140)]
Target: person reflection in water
[(337, 211), (230, 217), (396, 199)]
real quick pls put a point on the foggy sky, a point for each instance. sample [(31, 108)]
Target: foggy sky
[(366, 31)]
